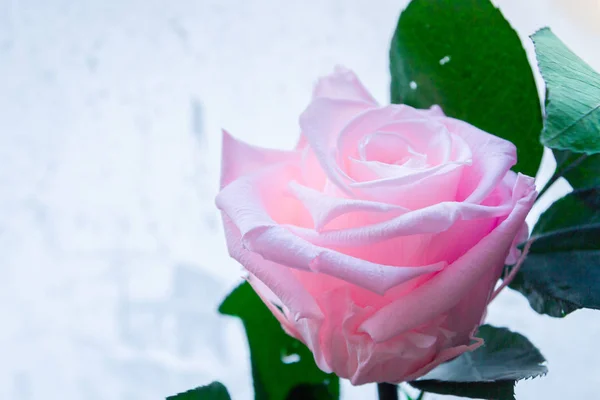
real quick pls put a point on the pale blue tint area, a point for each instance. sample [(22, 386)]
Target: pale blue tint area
[(112, 257)]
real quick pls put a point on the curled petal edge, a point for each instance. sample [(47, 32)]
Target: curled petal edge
[(453, 281)]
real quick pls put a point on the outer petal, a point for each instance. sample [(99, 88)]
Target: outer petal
[(515, 252), (261, 234), (357, 357), (424, 303), (339, 348), (277, 278), (239, 158), (281, 246), (433, 219), (342, 84), (302, 328)]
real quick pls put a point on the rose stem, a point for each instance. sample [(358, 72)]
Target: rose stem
[(387, 391)]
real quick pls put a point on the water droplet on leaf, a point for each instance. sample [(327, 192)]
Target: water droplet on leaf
[(290, 358)]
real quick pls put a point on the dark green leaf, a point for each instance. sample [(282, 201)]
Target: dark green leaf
[(581, 170), (464, 56), (279, 362), (491, 371), (573, 102), (310, 392), (501, 390), (573, 222), (562, 270), (213, 391), (506, 355)]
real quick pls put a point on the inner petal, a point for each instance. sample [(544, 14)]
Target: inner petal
[(427, 137), (391, 148)]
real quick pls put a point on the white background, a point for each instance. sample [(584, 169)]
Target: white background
[(112, 257)]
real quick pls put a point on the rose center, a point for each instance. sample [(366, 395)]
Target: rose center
[(391, 148)]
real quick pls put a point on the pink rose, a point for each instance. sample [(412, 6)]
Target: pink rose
[(378, 241)]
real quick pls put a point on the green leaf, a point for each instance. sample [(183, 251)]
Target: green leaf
[(562, 270), (282, 367), (501, 390), (464, 56), (310, 392), (212, 391), (582, 171), (491, 371), (573, 96)]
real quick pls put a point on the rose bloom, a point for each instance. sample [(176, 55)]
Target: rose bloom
[(379, 239)]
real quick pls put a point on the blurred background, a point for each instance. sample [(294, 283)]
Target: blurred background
[(112, 256)]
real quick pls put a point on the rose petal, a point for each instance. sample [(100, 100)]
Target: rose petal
[(492, 158), (262, 235), (321, 123), (386, 175), (239, 158), (266, 295), (370, 121), (385, 147), (342, 84), (281, 246), (336, 334), (324, 208), (363, 180), (426, 136), (299, 326), (515, 252), (443, 151), (424, 303), (277, 278), (312, 173), (433, 219)]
